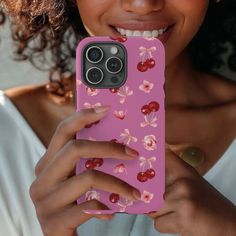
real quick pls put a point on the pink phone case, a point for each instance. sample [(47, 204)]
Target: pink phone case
[(136, 118)]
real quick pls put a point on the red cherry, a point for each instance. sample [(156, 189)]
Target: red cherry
[(98, 162), (114, 197), (150, 63), (142, 176), (113, 38), (90, 164), (142, 66), (150, 173), (114, 90), (120, 39), (145, 110), (153, 106)]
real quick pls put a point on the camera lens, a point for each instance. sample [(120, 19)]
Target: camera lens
[(94, 75), (94, 54), (114, 65)]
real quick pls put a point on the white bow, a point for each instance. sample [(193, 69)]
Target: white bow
[(149, 51), (148, 161)]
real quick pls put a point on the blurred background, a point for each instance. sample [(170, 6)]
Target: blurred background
[(14, 73)]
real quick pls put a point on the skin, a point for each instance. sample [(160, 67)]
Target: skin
[(53, 192)]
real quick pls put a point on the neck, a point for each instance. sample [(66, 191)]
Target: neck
[(181, 82)]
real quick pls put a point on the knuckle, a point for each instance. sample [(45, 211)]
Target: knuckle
[(39, 166), (185, 187), (82, 114), (71, 147), (63, 125), (71, 144), (37, 169), (91, 176), (49, 226), (158, 226), (33, 191), (189, 208), (42, 208)]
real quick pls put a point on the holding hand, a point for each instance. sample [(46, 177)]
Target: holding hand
[(56, 187), (192, 207)]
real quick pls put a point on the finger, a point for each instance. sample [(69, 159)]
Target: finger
[(75, 216), (176, 168), (181, 188), (67, 129), (78, 185), (66, 221), (167, 208), (167, 223), (65, 161)]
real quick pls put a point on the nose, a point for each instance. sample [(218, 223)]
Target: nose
[(142, 7)]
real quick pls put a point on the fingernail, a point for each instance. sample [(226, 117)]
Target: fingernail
[(136, 194), (106, 217), (101, 109), (131, 152)]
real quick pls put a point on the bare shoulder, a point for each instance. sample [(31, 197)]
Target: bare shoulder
[(25, 92)]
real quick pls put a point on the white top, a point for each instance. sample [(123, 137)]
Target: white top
[(20, 150)]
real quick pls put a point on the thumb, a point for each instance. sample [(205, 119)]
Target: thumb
[(176, 168)]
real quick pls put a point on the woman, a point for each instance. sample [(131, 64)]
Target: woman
[(200, 122)]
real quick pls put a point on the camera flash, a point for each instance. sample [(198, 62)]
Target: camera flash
[(114, 50)]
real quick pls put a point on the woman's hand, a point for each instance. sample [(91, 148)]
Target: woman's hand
[(192, 207), (56, 187)]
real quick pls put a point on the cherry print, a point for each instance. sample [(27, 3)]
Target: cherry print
[(114, 197), (150, 173), (142, 66), (142, 176), (153, 106), (150, 63), (114, 90), (146, 110), (120, 39), (90, 164), (98, 162), (92, 89)]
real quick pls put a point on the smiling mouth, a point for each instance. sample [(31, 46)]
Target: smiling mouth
[(156, 33)]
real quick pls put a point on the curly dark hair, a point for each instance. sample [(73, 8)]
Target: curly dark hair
[(52, 28)]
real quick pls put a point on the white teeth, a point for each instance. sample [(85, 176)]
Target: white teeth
[(146, 33), (136, 33)]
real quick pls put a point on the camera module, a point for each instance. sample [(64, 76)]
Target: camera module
[(114, 65), (94, 75), (94, 54)]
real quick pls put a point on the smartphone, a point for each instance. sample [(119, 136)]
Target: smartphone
[(126, 73)]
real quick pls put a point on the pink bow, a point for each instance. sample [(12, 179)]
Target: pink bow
[(124, 205), (149, 51), (148, 161)]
